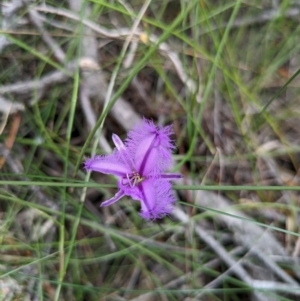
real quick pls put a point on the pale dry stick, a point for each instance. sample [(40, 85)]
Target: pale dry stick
[(139, 35), (89, 67), (90, 117), (95, 85), (110, 33), (4, 42), (235, 266), (215, 283), (239, 223), (269, 263), (265, 16), (177, 283), (273, 246), (52, 78), (293, 263), (7, 107), (56, 24), (255, 285), (214, 245), (192, 86), (128, 61), (276, 287), (57, 51), (8, 18), (124, 50), (245, 232), (125, 114), (274, 267), (56, 76)]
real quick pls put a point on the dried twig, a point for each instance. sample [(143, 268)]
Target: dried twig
[(244, 230), (57, 51), (8, 20), (259, 18), (176, 283), (271, 265), (7, 107), (139, 35), (221, 252), (214, 245), (246, 233), (42, 83)]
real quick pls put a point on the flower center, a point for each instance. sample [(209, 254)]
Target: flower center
[(132, 179)]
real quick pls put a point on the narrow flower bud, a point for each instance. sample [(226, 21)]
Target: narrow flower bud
[(118, 142)]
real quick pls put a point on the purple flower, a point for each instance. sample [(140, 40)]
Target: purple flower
[(139, 164)]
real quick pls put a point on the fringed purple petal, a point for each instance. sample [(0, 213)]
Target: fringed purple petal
[(158, 199), (113, 200), (107, 165), (147, 155), (151, 146), (140, 163)]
